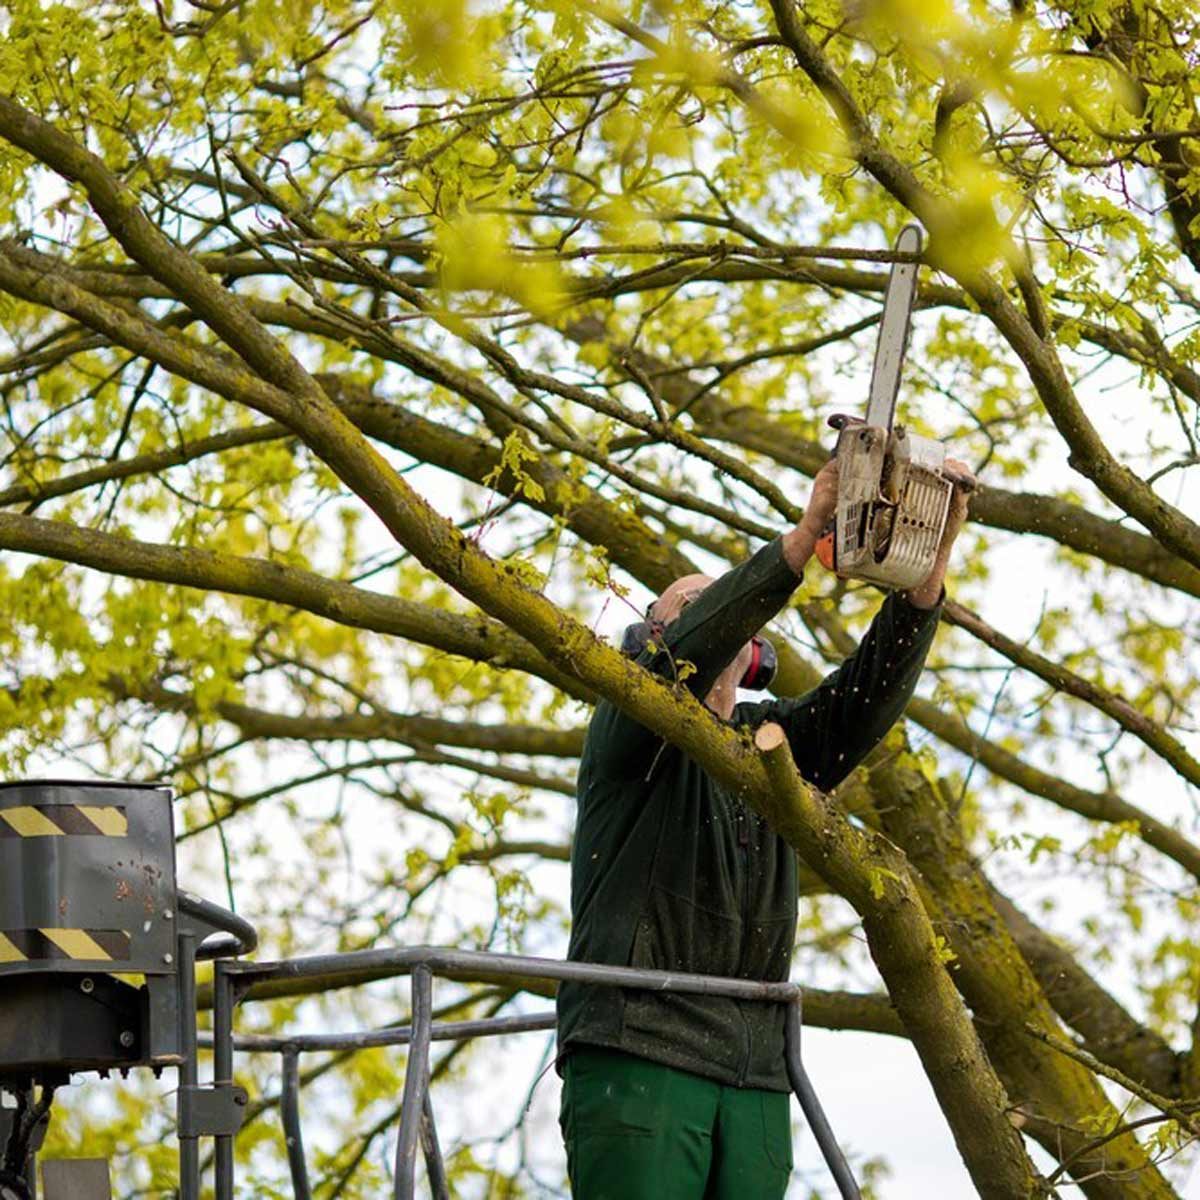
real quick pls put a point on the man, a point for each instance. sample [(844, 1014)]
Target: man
[(674, 1097)]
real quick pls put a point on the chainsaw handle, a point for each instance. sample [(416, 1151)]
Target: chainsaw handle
[(962, 482), (839, 421), (826, 546)]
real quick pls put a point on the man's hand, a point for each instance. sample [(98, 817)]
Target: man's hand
[(927, 594), (799, 542), (822, 504), (964, 485)]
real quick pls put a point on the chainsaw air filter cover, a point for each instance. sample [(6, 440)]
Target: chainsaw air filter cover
[(893, 501)]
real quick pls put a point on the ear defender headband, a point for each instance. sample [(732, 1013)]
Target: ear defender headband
[(759, 676)]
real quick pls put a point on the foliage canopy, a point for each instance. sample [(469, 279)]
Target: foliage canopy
[(361, 360)]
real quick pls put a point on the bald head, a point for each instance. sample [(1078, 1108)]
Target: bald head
[(723, 692), (677, 596)]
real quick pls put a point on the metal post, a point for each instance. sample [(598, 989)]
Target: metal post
[(223, 1071), (416, 1083), (189, 1147), (813, 1112), (290, 1111), (436, 1168)]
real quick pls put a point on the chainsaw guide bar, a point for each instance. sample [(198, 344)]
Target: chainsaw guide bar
[(894, 327), (893, 490)]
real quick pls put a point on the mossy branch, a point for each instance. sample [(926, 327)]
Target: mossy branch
[(873, 875)]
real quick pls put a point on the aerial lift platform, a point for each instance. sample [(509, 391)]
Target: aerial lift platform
[(98, 954)]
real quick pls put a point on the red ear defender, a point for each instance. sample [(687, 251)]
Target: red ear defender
[(764, 662)]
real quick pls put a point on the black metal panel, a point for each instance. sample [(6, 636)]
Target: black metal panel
[(75, 1179), (211, 1110), (87, 878), (70, 1023), (162, 1038)]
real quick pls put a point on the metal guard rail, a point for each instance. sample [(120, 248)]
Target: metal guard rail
[(235, 982), (242, 937)]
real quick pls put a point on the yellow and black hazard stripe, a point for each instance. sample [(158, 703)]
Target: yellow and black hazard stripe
[(43, 945), (63, 820)]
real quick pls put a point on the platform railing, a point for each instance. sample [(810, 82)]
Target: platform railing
[(237, 982), (106, 851)]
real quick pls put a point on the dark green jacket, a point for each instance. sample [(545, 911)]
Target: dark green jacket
[(673, 872)]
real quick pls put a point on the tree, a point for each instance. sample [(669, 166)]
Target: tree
[(363, 358)]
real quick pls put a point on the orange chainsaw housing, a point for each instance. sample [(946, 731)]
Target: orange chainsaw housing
[(825, 547)]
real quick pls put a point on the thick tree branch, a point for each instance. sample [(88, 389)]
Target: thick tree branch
[(1109, 1031), (33, 494), (797, 676), (1005, 997), (874, 876), (408, 728), (1163, 743), (477, 638), (1096, 806)]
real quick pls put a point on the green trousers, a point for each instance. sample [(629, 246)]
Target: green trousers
[(635, 1130)]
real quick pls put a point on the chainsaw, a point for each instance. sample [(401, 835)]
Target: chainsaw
[(894, 488)]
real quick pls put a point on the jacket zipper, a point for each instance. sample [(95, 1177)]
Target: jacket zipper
[(743, 837)]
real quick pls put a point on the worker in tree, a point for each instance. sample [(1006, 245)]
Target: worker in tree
[(685, 1097)]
